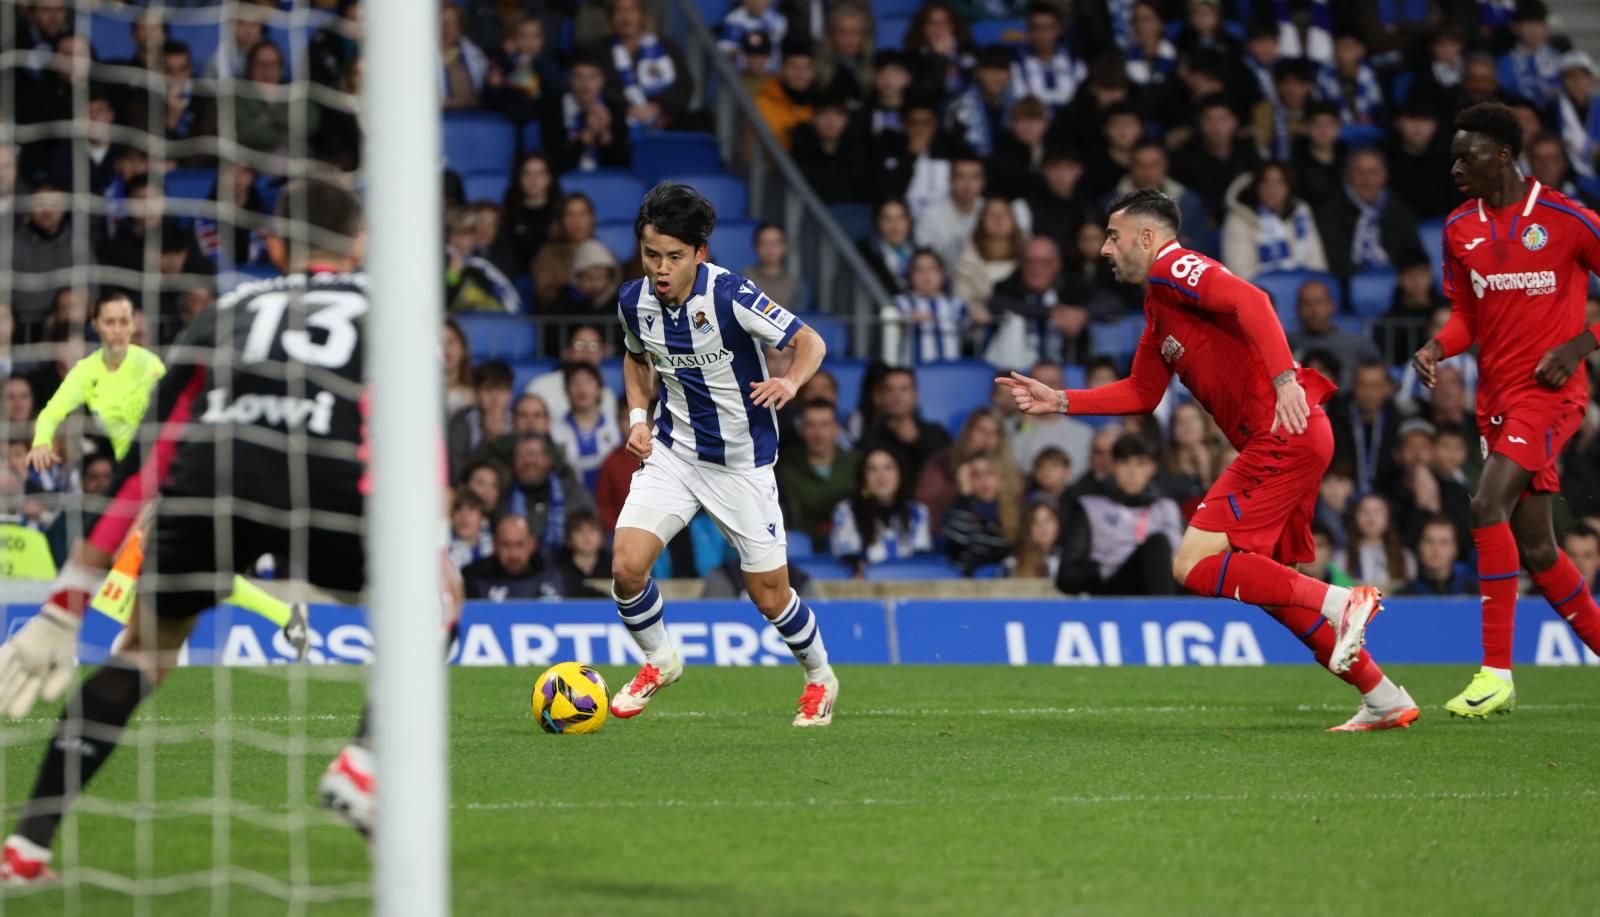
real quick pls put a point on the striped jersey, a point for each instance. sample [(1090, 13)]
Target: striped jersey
[(707, 352), (933, 330), (586, 449)]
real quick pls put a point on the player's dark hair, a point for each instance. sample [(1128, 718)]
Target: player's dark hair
[(320, 214), (1131, 446), (678, 211), (492, 374), (1495, 121), (1151, 204)]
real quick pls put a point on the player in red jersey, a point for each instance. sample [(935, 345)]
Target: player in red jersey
[(1517, 259), (1222, 338)]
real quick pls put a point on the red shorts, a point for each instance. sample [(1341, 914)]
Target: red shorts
[(1532, 433), (1265, 501)]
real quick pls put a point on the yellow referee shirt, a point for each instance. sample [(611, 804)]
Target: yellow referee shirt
[(118, 399)]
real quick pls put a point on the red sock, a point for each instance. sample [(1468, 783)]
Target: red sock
[(1255, 580), (1497, 582), (1569, 595), (1313, 630)]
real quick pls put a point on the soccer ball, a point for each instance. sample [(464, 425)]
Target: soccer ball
[(570, 698)]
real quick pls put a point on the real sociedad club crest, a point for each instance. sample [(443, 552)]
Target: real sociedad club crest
[(1535, 237), (701, 323)]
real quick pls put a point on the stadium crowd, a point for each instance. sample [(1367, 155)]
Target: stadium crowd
[(1306, 143)]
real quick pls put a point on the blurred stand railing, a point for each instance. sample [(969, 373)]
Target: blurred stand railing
[(820, 252)]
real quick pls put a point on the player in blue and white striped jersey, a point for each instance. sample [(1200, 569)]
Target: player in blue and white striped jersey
[(699, 331)]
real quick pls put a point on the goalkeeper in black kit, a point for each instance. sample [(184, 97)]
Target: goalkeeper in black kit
[(269, 462)]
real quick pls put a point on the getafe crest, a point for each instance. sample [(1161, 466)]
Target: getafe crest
[(1535, 237)]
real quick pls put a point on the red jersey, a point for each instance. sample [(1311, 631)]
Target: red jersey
[(1223, 339), (1517, 278)]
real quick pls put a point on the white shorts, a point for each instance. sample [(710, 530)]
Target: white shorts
[(668, 490)]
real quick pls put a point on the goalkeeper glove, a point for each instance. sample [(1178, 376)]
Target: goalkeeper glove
[(38, 661)]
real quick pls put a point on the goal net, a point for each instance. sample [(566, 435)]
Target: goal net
[(146, 149)]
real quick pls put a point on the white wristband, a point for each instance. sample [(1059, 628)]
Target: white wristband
[(638, 416)]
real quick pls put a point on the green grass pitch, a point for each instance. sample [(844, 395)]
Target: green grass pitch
[(952, 790)]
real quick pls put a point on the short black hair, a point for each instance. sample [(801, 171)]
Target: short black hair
[(1321, 107), (96, 457), (579, 518), (1530, 11), (1099, 362), (1495, 121), (824, 404), (1042, 8), (1581, 531), (995, 57), (1437, 519), (110, 294), (320, 213), (1130, 446), (492, 374), (1214, 100), (678, 211), (1151, 204), (586, 59)]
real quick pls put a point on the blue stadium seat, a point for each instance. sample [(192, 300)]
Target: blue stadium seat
[(712, 11), (191, 184), (848, 374), (944, 388), (1401, 86), (1116, 339), (1360, 136), (478, 141), (110, 32), (826, 568), (833, 330), (201, 37), (726, 193), (484, 186), (854, 219), (883, 9), (615, 193), (1371, 291), (927, 567), (661, 153), (532, 137), (496, 337), (990, 571), (1074, 375), (527, 369), (799, 545), (999, 32), (617, 236), (611, 374), (1284, 288), (733, 244), (891, 31), (1431, 232)]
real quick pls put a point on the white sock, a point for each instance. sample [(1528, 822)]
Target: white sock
[(1385, 695), (1503, 674), (643, 615), (800, 629), (1333, 603)]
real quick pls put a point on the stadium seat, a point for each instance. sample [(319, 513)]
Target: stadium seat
[(190, 184), (1284, 288), (615, 193), (1074, 375), (1351, 324), (826, 568), (1117, 339), (927, 567), (882, 9), (891, 31), (733, 244), (726, 193), (484, 186), (1431, 232), (834, 331), (854, 219), (945, 388), (990, 571), (661, 153), (525, 370), (1361, 136), (532, 138), (1371, 291), (496, 337), (799, 545), (478, 141), (611, 374), (1401, 87), (849, 375), (617, 236), (110, 33), (999, 32)]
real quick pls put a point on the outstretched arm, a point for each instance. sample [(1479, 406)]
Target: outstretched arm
[(1137, 394)]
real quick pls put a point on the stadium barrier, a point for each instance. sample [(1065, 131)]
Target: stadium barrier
[(1087, 632)]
